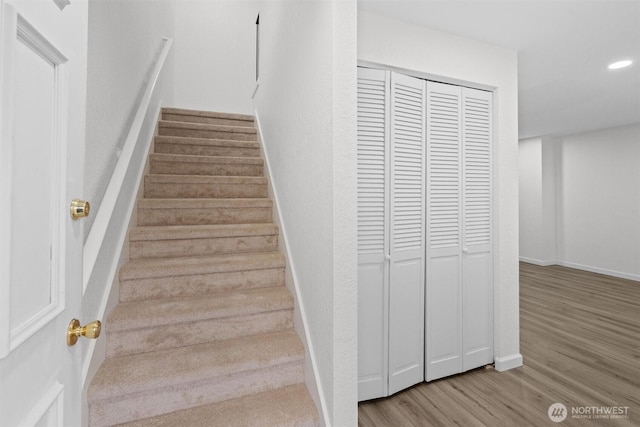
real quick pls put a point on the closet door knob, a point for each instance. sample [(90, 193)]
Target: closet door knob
[(465, 250)]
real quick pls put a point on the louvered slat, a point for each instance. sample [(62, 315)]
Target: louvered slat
[(371, 166), (477, 167), (407, 169), (444, 131)]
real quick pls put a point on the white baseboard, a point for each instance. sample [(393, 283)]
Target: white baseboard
[(508, 362), (537, 261), (592, 269)]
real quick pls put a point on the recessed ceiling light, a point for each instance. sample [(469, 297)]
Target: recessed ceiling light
[(620, 64)]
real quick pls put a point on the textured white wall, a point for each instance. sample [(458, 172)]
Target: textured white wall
[(600, 203), (124, 38), (390, 42), (538, 217), (306, 105), (580, 201), (215, 55), (530, 184)]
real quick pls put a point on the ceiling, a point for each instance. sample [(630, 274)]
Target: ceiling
[(564, 47)]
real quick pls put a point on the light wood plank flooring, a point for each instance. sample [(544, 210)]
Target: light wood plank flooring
[(580, 339)]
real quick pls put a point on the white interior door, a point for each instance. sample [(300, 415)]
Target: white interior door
[(459, 290), (390, 232), (477, 253), (407, 214), (42, 115), (373, 233), (444, 221)]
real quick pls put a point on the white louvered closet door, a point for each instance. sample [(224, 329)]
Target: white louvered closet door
[(407, 210), (477, 236), (443, 321), (459, 290), (390, 232), (373, 233)]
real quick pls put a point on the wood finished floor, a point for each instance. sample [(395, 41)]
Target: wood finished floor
[(580, 339)]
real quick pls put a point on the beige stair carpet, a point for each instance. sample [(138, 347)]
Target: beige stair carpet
[(203, 333)]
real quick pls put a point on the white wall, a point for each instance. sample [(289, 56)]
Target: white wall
[(124, 38), (306, 105), (215, 55), (454, 59), (580, 201), (599, 226), (537, 178)]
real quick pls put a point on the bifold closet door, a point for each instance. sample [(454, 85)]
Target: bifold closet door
[(373, 233), (443, 321), (459, 290), (390, 232), (407, 209), (477, 212)]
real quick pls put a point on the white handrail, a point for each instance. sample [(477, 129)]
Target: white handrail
[(99, 228)]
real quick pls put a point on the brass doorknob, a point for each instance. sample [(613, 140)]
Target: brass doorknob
[(74, 331), (79, 209)]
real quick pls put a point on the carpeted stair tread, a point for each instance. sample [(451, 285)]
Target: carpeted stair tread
[(168, 267), (148, 313), (188, 164), (186, 158), (191, 116), (187, 140), (205, 179), (200, 113), (205, 147), (208, 186), (290, 406), (197, 203), (207, 130), (180, 232), (120, 376), (164, 124), (196, 211), (201, 240)]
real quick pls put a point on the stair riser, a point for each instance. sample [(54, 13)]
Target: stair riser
[(135, 406), (207, 120), (209, 134), (121, 343), (200, 284), (202, 247), (187, 216), (205, 150), (192, 190), (201, 168)]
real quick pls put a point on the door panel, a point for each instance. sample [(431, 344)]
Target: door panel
[(444, 318), (477, 237), (372, 336), (37, 175), (373, 234), (478, 310), (406, 283), (444, 214), (42, 95), (406, 334)]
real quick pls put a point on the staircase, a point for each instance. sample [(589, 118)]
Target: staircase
[(203, 333)]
